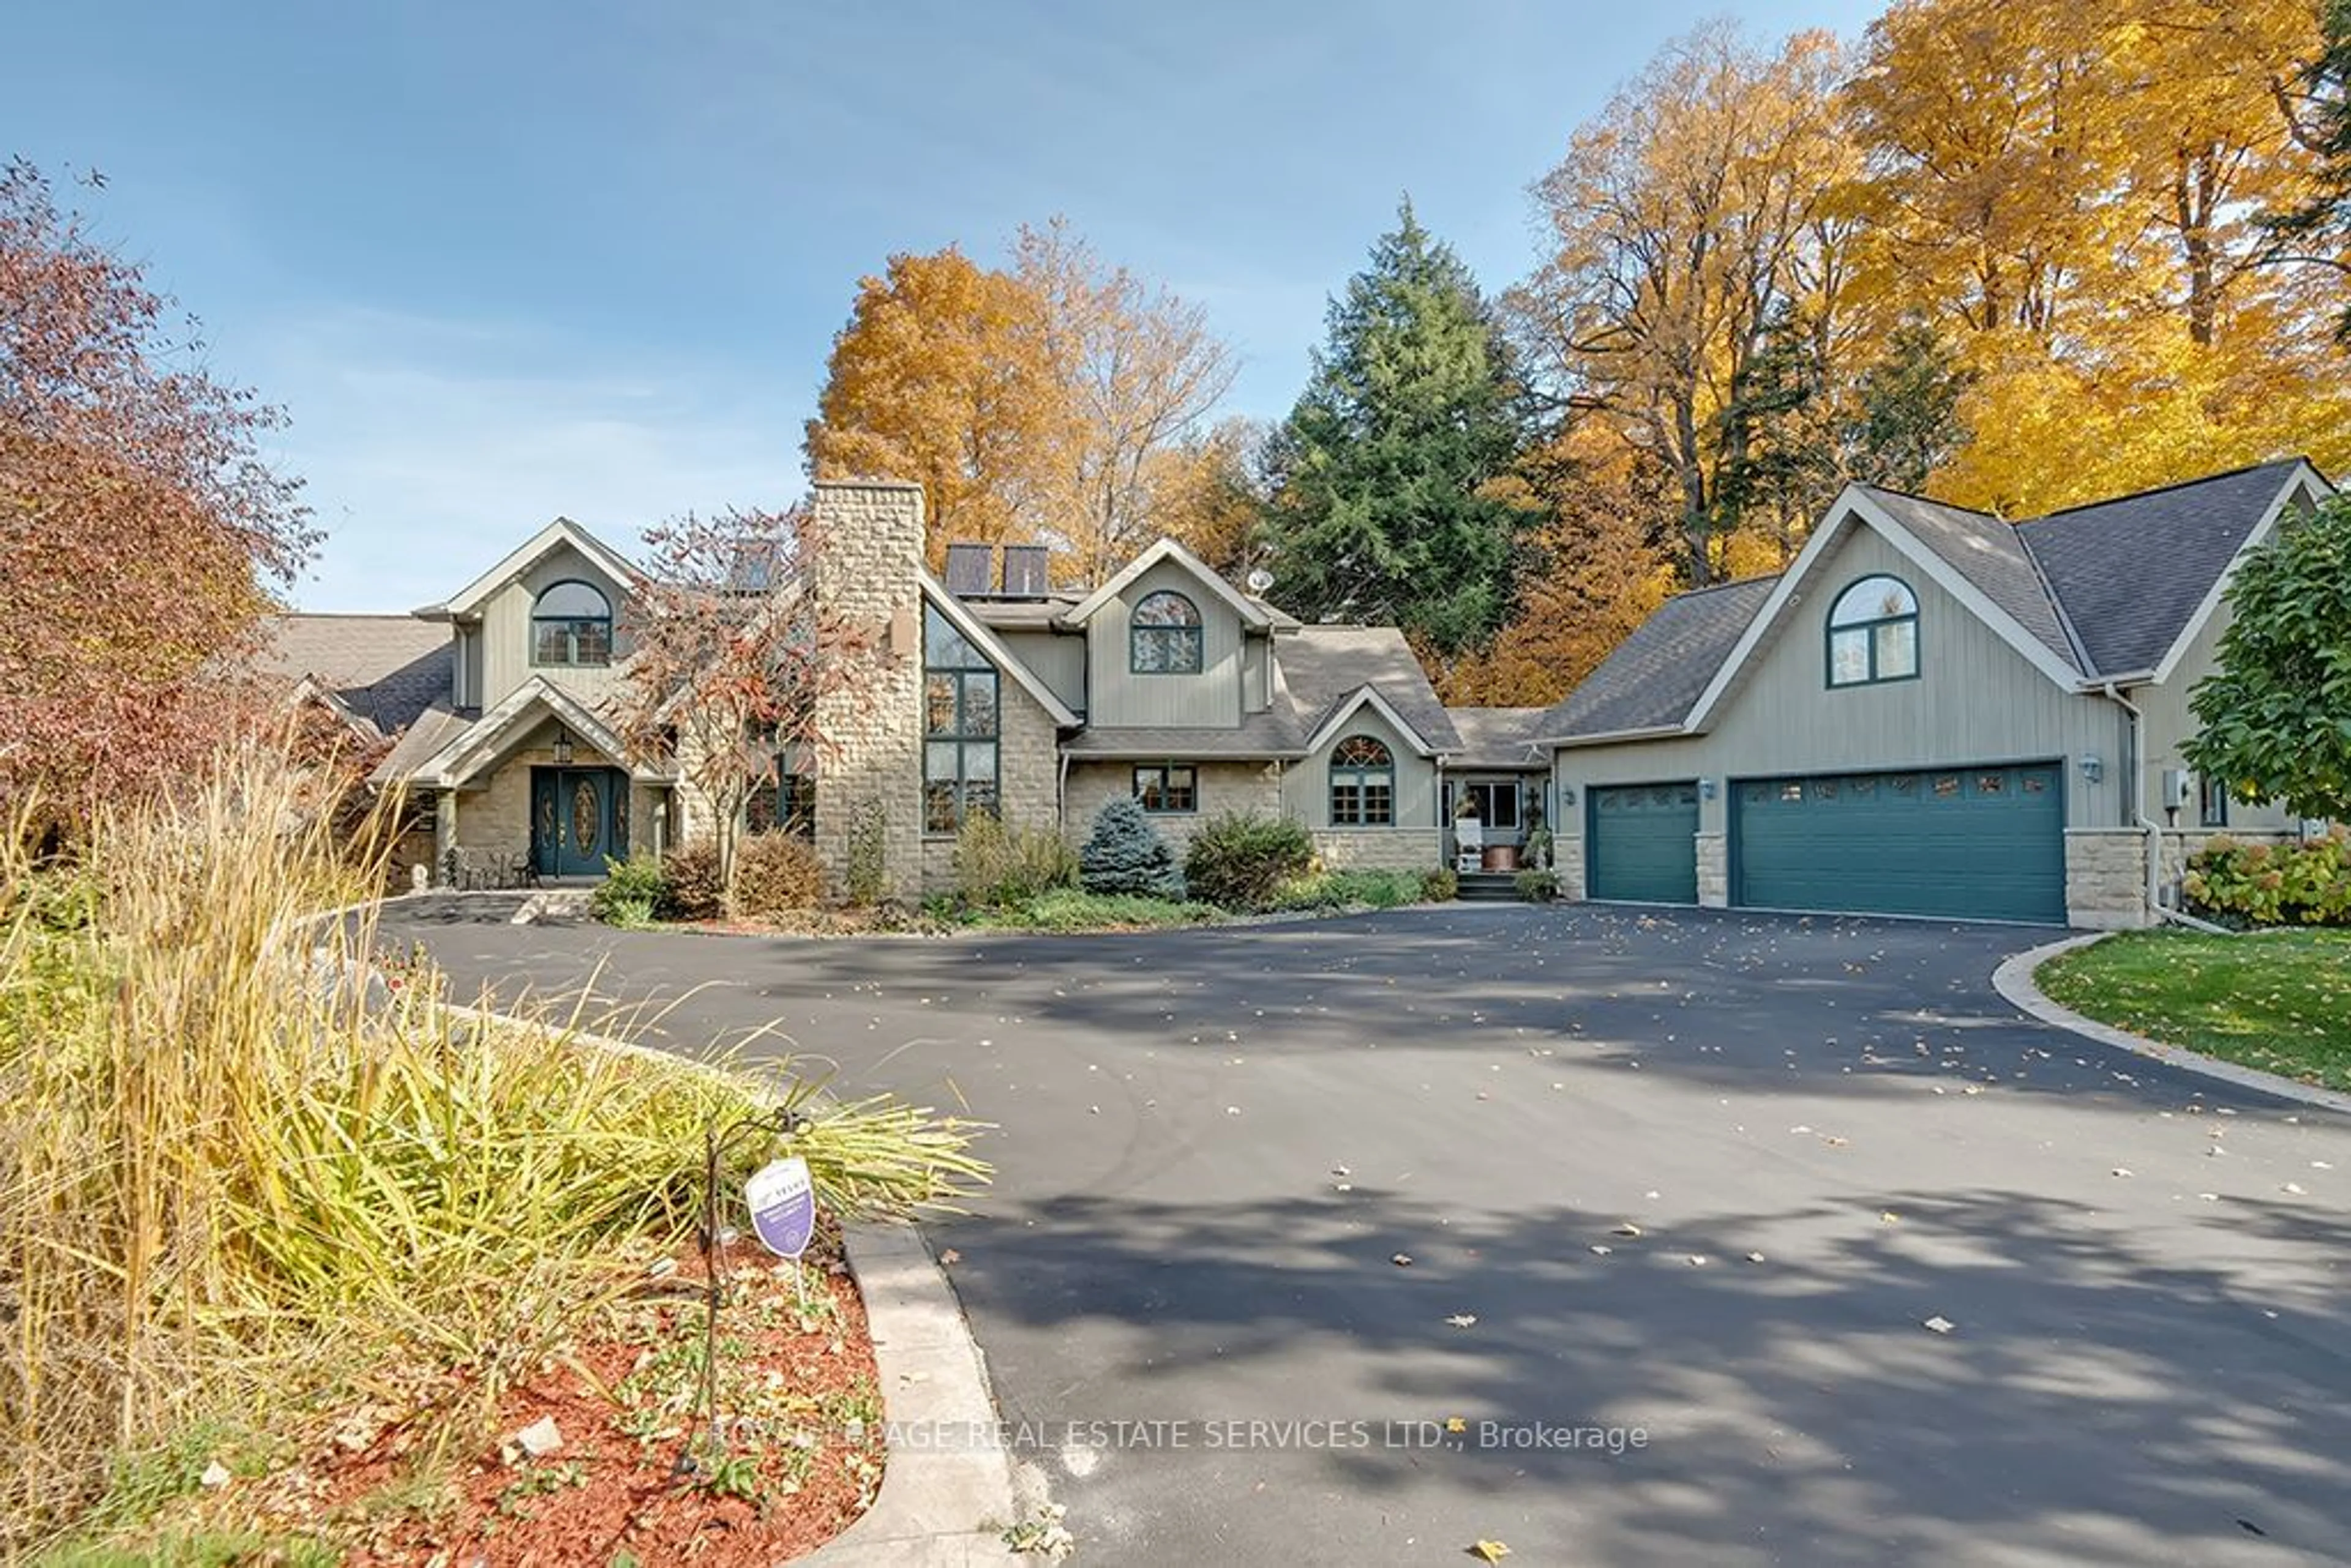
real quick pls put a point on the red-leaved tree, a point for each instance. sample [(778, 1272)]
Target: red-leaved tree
[(733, 655), (141, 531)]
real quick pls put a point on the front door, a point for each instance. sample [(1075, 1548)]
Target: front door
[(576, 820)]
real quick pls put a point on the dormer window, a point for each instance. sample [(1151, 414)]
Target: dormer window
[(571, 627), (1164, 637), (1873, 633)]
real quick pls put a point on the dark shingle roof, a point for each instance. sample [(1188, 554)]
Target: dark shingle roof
[(2131, 572), (1656, 673), (1497, 737), (387, 668), (1273, 733), (1988, 553), (1325, 665)]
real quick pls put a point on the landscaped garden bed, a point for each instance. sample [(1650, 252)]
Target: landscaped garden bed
[(2279, 1001), (291, 1255)]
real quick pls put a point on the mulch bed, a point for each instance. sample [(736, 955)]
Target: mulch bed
[(803, 1458)]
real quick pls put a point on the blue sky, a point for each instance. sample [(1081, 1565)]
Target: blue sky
[(504, 261)]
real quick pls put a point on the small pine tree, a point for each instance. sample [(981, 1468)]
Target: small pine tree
[(1125, 855)]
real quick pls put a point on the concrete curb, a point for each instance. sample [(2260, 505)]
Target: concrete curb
[(2013, 981), (943, 1504)]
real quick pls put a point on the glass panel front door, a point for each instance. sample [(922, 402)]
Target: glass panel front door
[(577, 819)]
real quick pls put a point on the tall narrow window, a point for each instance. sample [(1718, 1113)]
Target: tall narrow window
[(2211, 802), (1362, 783), (1163, 638), (571, 624), (1873, 633), (959, 726)]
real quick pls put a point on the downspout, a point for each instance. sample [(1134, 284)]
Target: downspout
[(1061, 787), (2135, 782)]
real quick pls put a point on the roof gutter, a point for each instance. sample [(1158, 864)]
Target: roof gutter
[(1615, 737)]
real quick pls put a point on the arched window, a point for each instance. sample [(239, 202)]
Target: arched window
[(571, 624), (1873, 633), (1163, 638), (1362, 783)]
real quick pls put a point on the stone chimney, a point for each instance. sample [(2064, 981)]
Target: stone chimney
[(866, 572)]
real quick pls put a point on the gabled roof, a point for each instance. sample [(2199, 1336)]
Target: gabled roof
[(1251, 612), (1649, 684), (384, 670), (1324, 666), (467, 751), (1991, 555), (1501, 738), (959, 616), (2134, 573), (561, 531), (1363, 697)]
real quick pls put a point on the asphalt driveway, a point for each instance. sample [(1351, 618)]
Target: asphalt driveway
[(1213, 1145)]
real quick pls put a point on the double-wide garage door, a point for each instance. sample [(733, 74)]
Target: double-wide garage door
[(1972, 843)]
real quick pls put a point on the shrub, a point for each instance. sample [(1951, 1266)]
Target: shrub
[(691, 888), (997, 866), (1125, 855), (2307, 883), (1442, 885), (1073, 909), (1538, 886), (1349, 889), (775, 872), (633, 891), (869, 852), (1239, 860)]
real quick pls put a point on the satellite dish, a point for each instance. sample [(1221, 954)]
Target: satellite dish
[(1259, 580)]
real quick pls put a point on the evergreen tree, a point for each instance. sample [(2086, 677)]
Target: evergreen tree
[(1385, 507), (2316, 231), (1125, 855), (1780, 468), (1907, 424)]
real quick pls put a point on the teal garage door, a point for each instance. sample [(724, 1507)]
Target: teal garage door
[(1972, 843), (1640, 842)]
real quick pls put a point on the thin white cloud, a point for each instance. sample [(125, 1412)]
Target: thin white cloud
[(432, 447)]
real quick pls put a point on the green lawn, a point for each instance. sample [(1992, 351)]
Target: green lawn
[(2278, 1001)]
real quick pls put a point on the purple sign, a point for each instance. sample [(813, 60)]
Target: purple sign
[(783, 1206)]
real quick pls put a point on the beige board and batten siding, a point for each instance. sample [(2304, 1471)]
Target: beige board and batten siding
[(1306, 784), (1119, 698), (1976, 700), (1056, 658), (2170, 723), (507, 638)]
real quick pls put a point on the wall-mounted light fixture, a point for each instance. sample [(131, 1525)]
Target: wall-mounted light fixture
[(1567, 795), (562, 746), (2092, 769), (1705, 788)]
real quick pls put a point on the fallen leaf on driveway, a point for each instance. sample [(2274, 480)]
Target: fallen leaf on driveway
[(1887, 1216), (950, 1257), (1941, 1324), (1463, 1320), (1627, 1228), (2120, 1171), (1489, 1551), (1755, 1257), (1602, 1251), (1401, 1259)]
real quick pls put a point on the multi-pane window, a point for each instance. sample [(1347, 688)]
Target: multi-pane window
[(1873, 633), (1362, 783), (960, 726), (1164, 637), (1498, 804), (785, 803), (571, 624), (1167, 787)]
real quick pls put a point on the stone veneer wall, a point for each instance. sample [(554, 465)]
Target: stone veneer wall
[(1567, 859), (1027, 777), (1381, 848), (1713, 870), (2106, 870), (495, 819), (866, 571), (1222, 787)]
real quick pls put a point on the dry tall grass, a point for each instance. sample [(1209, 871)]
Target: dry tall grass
[(235, 1177)]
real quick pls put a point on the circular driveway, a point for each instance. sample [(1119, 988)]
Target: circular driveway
[(1680, 1195)]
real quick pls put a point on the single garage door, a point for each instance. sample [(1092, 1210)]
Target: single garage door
[(1972, 843), (1640, 842)]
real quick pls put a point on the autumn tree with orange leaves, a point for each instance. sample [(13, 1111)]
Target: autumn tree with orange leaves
[(141, 530)]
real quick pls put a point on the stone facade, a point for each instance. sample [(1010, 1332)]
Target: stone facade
[(2106, 872), (1567, 859), (866, 575), (1222, 787), (1380, 848), (1713, 870)]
